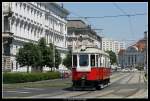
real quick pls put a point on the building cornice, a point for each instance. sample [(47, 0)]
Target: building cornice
[(45, 12)]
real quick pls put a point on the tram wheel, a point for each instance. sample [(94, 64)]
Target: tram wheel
[(98, 87)]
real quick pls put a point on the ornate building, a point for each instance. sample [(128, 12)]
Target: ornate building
[(81, 34), (29, 21), (134, 55)]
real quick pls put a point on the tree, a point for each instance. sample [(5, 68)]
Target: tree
[(24, 56), (37, 55), (49, 61), (68, 60), (57, 58), (113, 58), (36, 58), (44, 53), (55, 54)]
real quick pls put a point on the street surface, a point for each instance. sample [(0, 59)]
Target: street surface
[(123, 85)]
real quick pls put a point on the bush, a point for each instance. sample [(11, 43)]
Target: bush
[(29, 77)]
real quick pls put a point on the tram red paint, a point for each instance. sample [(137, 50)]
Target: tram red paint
[(96, 73), (92, 70)]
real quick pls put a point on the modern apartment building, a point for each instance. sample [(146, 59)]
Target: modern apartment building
[(110, 44)]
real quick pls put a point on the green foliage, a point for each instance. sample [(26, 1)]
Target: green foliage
[(68, 60), (25, 55), (38, 55), (113, 58), (28, 77), (57, 58), (49, 61), (42, 43), (43, 48)]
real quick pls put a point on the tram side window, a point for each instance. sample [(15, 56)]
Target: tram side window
[(74, 60), (100, 63), (96, 60), (92, 60), (105, 62)]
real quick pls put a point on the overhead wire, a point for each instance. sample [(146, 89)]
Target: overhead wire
[(111, 16), (129, 19), (79, 16), (130, 23)]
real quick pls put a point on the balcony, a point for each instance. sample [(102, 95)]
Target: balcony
[(7, 35)]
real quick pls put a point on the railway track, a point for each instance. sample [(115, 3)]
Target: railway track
[(124, 93), (116, 88), (101, 93), (136, 90), (93, 92)]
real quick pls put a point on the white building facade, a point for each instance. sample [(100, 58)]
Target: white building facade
[(28, 22)]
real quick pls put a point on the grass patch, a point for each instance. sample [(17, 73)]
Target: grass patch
[(43, 84)]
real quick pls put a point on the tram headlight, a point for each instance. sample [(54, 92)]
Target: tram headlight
[(83, 77)]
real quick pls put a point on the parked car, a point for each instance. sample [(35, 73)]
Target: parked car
[(125, 70), (134, 69)]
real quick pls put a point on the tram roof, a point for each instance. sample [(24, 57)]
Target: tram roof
[(90, 50)]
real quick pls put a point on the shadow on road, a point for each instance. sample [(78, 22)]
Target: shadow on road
[(78, 89), (68, 89)]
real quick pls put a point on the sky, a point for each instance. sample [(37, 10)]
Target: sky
[(129, 29)]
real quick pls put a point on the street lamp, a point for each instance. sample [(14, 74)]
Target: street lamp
[(54, 44)]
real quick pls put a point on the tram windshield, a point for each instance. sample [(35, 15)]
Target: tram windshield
[(83, 60)]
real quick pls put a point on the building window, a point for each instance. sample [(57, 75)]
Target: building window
[(12, 65), (135, 59), (16, 4), (16, 65)]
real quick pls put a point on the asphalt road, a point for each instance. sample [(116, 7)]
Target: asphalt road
[(123, 85)]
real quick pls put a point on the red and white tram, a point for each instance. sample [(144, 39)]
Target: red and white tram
[(90, 68)]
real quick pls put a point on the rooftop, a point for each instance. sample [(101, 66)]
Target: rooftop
[(76, 24)]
